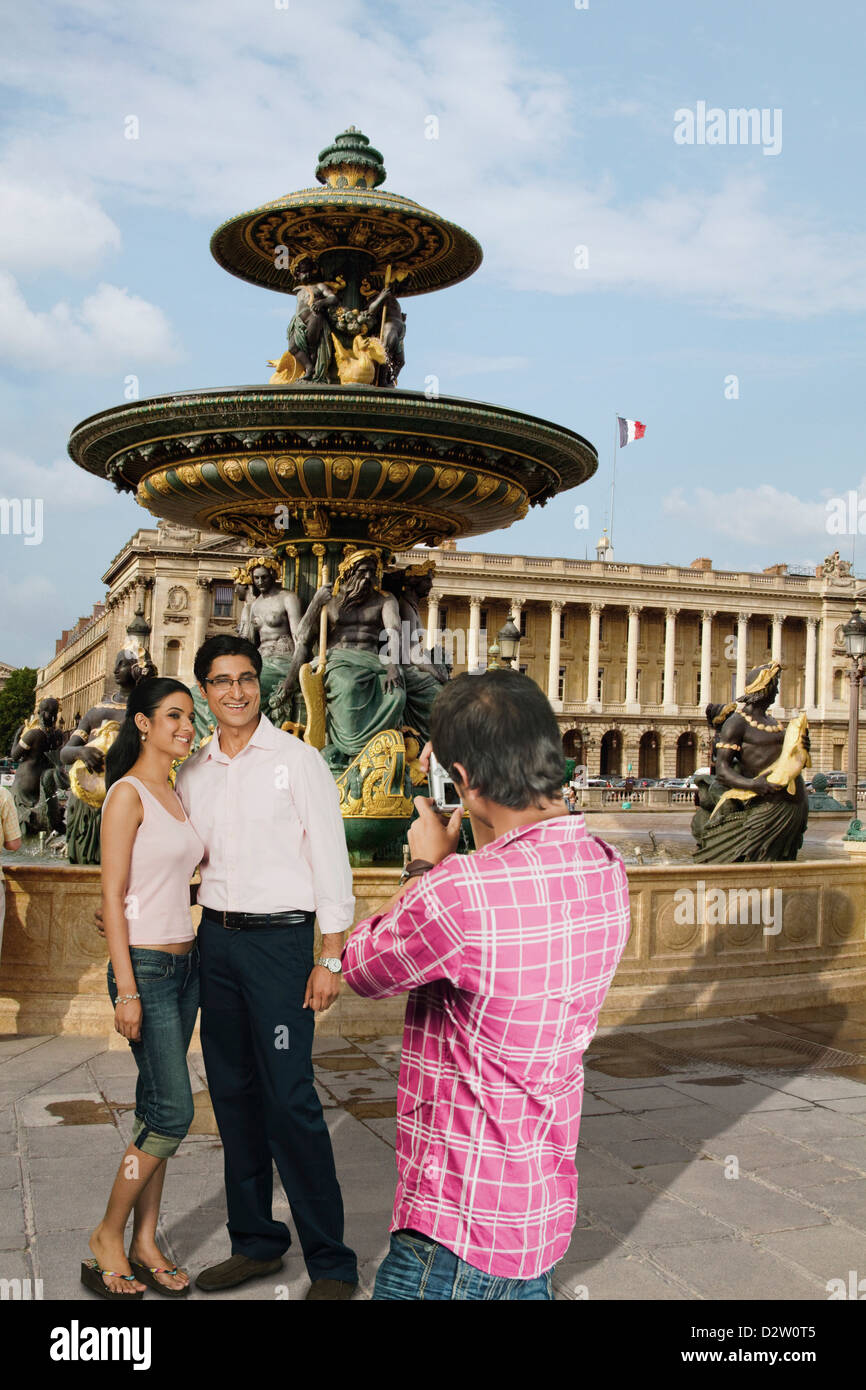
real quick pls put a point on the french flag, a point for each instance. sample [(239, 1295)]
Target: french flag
[(629, 430)]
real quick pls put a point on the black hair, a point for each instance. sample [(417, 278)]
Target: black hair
[(501, 727), (143, 699), (224, 644)]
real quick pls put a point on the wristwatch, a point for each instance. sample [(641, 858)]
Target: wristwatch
[(332, 963), (414, 869)]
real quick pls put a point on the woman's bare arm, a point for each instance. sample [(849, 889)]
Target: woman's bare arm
[(120, 821)]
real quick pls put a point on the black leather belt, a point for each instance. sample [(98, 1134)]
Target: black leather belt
[(253, 921)]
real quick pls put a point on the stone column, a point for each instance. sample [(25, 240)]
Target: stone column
[(433, 601), (776, 653), (742, 663), (811, 644), (706, 654), (556, 607), (473, 654), (670, 704), (514, 613), (592, 661), (631, 660), (200, 617)]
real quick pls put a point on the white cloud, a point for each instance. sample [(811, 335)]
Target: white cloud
[(509, 162), (763, 516), (60, 484), (110, 330), (49, 228)]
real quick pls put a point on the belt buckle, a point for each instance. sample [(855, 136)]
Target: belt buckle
[(225, 916)]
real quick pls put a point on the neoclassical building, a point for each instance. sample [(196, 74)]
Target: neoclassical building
[(628, 654)]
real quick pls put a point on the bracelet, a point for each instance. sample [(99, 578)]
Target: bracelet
[(125, 999)]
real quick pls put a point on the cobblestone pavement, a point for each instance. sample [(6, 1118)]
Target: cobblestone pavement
[(724, 1159)]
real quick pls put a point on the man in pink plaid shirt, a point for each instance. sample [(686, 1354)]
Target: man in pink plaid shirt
[(507, 954)]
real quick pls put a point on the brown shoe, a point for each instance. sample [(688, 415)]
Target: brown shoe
[(236, 1270), (334, 1290)]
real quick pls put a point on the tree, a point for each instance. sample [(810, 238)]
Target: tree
[(17, 703)]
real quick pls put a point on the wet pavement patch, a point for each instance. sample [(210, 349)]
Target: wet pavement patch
[(80, 1112), (370, 1109)]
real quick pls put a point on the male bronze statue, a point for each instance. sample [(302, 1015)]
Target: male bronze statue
[(39, 777)]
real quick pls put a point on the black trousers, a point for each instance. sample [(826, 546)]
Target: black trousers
[(257, 1042)]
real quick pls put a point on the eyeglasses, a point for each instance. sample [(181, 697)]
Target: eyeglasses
[(248, 681)]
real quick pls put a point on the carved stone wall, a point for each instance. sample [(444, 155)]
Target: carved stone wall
[(52, 972)]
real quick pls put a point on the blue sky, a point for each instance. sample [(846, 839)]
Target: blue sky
[(555, 130)]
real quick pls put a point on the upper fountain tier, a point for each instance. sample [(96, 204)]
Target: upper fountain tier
[(347, 227)]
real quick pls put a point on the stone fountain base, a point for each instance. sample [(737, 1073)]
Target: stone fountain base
[(52, 969)]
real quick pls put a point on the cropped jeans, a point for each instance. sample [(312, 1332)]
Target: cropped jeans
[(168, 985), (416, 1268)]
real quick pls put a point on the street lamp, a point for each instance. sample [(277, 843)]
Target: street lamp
[(854, 633), (508, 638)]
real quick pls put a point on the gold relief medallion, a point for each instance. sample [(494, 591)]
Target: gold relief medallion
[(398, 472), (188, 474), (160, 482), (486, 486), (342, 469), (233, 471), (285, 468), (448, 477)]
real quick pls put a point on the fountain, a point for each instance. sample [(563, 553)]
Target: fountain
[(331, 461), (333, 466)]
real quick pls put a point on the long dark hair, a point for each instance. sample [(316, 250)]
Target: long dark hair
[(143, 699)]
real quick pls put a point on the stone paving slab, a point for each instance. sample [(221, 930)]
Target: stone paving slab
[(657, 1218), (736, 1269)]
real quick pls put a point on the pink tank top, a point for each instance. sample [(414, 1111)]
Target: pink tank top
[(165, 853)]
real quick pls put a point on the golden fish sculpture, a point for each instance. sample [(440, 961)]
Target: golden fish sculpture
[(787, 767), (89, 786)]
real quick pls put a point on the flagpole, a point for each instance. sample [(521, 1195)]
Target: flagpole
[(613, 478)]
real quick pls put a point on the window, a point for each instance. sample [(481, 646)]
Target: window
[(223, 600), (443, 617), (171, 665), (769, 635), (485, 613), (699, 694), (524, 670), (637, 676), (560, 693), (601, 627), (733, 685), (600, 691), (562, 624), (522, 622)]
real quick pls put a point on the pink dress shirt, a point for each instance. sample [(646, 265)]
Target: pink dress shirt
[(270, 822), (508, 953)]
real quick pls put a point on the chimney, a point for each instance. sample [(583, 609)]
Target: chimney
[(702, 563)]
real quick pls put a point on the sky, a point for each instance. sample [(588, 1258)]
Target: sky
[(633, 263)]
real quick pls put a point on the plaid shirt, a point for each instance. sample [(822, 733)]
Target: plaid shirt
[(508, 953)]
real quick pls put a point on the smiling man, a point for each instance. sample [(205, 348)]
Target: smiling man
[(267, 811)]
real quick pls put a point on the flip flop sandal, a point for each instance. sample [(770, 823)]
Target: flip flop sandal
[(91, 1278), (147, 1275)]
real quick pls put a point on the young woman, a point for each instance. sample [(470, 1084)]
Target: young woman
[(149, 852)]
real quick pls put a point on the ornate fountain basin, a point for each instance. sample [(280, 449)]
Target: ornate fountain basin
[(336, 463)]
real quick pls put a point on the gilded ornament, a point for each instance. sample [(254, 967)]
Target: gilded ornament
[(398, 472), (188, 474), (343, 469), (448, 477), (285, 468), (233, 471), (159, 481)]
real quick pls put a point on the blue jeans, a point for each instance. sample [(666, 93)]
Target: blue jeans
[(417, 1268), (168, 985)]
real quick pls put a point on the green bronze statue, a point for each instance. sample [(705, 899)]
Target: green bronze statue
[(754, 807)]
